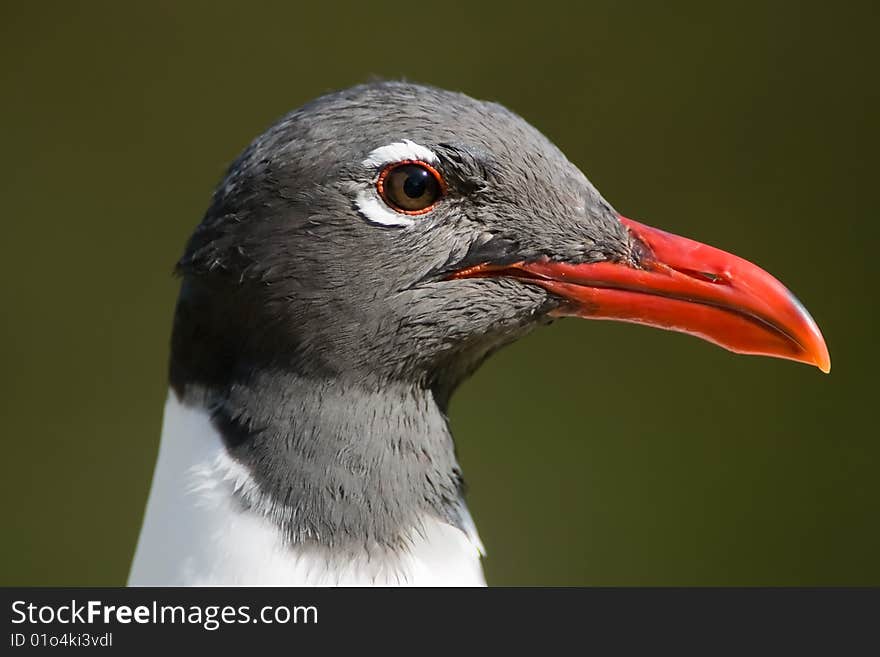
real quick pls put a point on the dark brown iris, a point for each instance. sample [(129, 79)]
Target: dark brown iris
[(410, 187)]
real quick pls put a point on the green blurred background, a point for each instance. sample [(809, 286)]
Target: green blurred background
[(597, 453)]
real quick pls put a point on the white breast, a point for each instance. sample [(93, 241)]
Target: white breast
[(195, 534)]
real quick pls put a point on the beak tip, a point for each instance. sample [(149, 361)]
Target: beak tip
[(814, 343), (817, 349), (817, 354)]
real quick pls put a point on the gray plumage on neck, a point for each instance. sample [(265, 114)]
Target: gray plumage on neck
[(340, 465), (351, 460)]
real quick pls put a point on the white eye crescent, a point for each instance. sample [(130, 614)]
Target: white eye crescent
[(368, 200), (397, 152)]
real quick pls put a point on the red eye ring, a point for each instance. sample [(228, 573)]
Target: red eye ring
[(386, 195)]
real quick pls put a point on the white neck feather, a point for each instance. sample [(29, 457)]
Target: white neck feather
[(196, 534)]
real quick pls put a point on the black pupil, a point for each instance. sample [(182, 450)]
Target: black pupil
[(416, 182)]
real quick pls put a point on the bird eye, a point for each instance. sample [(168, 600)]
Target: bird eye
[(410, 187)]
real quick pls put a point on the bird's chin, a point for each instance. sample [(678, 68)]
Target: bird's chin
[(679, 285)]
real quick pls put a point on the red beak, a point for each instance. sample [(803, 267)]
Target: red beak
[(682, 285)]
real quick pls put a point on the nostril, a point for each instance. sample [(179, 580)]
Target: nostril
[(715, 279)]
